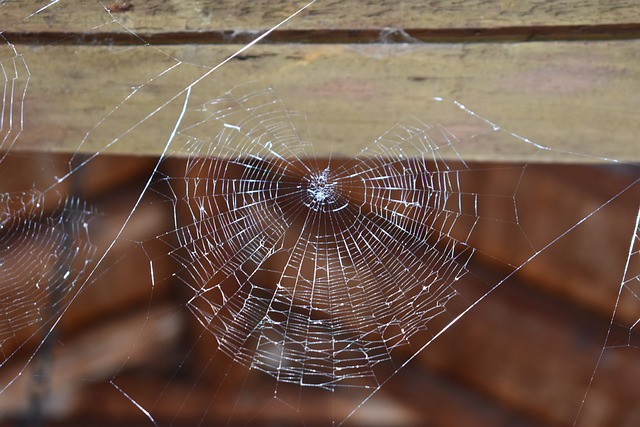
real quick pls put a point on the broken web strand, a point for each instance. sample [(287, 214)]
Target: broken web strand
[(15, 76), (47, 5), (629, 297), (55, 293), (47, 228), (54, 313)]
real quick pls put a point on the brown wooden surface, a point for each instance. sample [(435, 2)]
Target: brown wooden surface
[(537, 356), (523, 356), (94, 356), (573, 97), (585, 266), (167, 16)]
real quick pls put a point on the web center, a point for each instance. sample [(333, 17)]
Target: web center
[(321, 189)]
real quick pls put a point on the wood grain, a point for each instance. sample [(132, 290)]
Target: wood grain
[(170, 16), (537, 356), (115, 83), (573, 97), (93, 356)]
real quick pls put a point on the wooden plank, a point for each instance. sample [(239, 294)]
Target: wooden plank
[(197, 16), (22, 171), (574, 97), (445, 401), (179, 402), (124, 283), (419, 398), (93, 356), (537, 357), (583, 267)]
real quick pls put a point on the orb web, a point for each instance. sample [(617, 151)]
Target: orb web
[(44, 252), (318, 272)]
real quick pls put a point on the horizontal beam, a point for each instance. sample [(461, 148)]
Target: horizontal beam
[(342, 36), (167, 16), (575, 97)]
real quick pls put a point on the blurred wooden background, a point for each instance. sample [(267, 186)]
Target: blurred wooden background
[(563, 74)]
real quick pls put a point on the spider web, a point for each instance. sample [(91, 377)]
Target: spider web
[(622, 334), (53, 244), (629, 286), (315, 274), (328, 274), (15, 78), (45, 246), (314, 280)]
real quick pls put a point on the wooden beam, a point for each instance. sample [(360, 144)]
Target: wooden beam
[(537, 357), (94, 356), (190, 16), (574, 97)]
